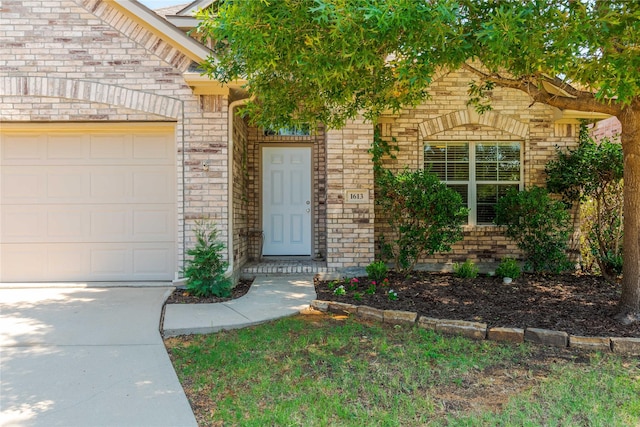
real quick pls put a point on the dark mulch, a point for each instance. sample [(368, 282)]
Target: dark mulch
[(181, 296), (577, 304)]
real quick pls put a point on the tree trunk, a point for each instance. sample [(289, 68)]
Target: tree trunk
[(629, 304)]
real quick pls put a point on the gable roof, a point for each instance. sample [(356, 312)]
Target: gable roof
[(173, 35), (161, 27), (184, 18)]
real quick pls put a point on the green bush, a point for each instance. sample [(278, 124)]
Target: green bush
[(508, 267), (539, 225), (466, 270), (205, 270), (377, 271), (425, 216), (591, 175)]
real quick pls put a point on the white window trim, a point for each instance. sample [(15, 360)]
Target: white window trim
[(472, 183)]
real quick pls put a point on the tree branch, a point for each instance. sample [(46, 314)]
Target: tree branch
[(532, 85)]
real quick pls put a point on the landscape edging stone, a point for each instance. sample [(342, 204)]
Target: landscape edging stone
[(626, 346)]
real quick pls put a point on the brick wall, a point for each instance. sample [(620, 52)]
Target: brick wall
[(608, 128), (83, 60), (350, 227), (354, 229), (241, 175)]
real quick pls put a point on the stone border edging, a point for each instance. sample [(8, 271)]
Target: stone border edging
[(480, 331)]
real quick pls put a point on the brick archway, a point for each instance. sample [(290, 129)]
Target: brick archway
[(93, 92), (466, 117)]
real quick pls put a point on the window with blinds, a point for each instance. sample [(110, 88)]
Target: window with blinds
[(480, 171)]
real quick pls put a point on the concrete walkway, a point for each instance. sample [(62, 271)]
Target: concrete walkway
[(87, 357), (269, 298)]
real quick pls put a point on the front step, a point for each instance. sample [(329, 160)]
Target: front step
[(285, 266)]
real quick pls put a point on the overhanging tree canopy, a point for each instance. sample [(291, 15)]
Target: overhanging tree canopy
[(327, 60)]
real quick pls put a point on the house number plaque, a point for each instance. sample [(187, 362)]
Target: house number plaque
[(357, 196)]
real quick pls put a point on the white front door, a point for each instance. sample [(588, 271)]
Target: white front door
[(286, 200)]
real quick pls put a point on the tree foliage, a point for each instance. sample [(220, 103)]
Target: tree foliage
[(327, 60), (315, 60)]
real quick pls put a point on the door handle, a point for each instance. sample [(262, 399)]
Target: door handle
[(308, 210)]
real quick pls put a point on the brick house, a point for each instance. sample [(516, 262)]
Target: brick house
[(112, 147)]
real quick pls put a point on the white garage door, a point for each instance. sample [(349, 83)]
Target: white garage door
[(87, 202)]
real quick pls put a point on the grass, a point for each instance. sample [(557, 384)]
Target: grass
[(317, 370)]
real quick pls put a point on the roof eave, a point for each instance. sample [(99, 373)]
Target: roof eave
[(182, 22), (203, 85)]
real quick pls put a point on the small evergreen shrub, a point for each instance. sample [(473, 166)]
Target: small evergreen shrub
[(466, 270), (508, 267), (205, 270), (540, 227), (377, 271)]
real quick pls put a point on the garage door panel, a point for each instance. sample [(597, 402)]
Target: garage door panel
[(70, 185), (110, 147), (111, 262), (23, 149), (87, 206), (67, 147), (65, 225), (151, 261), (21, 225), (108, 225), (153, 224), (46, 224), (23, 259), (156, 148), (67, 262), (87, 223), (77, 185), (20, 185), (109, 185), (152, 185)]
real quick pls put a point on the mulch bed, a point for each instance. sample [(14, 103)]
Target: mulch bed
[(181, 296), (574, 303)]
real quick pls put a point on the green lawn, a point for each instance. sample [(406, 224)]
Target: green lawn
[(318, 370)]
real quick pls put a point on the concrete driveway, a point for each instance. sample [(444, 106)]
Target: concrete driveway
[(87, 357)]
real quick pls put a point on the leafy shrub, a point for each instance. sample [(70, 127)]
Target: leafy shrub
[(377, 271), (592, 175), (539, 225), (425, 216), (466, 270), (508, 267), (205, 270)]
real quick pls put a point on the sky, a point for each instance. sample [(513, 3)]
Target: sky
[(158, 4)]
